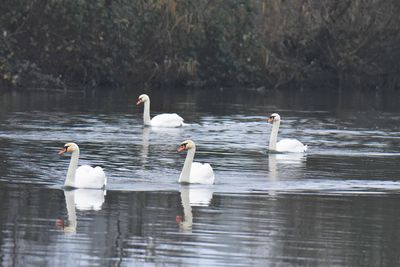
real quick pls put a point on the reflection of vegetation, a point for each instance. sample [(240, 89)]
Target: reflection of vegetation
[(269, 43)]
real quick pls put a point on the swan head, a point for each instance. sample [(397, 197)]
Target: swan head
[(186, 145), (142, 98), (274, 117), (68, 147)]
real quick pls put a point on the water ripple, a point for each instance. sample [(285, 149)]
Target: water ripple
[(136, 157)]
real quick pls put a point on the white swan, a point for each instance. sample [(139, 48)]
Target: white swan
[(194, 172), (84, 176), (284, 145), (162, 120)]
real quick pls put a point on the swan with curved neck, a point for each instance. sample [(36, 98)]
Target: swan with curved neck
[(85, 176), (162, 120), (284, 145), (194, 172)]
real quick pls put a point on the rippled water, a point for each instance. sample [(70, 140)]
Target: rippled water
[(334, 205)]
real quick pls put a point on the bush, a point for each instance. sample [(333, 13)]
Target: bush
[(272, 43)]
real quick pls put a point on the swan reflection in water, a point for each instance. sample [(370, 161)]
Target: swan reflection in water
[(81, 199), (283, 165), (192, 196), (144, 152), (157, 133)]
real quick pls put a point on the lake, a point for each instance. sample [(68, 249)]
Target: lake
[(336, 205)]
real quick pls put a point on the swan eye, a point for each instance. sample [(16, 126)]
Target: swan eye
[(184, 145)]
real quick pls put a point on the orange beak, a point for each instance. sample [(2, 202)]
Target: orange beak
[(181, 148), (139, 101), (270, 120), (62, 151)]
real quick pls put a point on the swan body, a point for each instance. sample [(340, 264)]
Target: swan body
[(194, 172), (290, 145), (85, 176), (162, 120), (285, 145)]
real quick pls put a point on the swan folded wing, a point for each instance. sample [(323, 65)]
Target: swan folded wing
[(88, 177), (290, 145), (167, 120), (201, 173)]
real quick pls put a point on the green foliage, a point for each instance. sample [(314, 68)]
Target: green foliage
[(273, 43)]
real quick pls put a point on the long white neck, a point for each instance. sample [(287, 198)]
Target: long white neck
[(274, 135), (187, 166), (73, 165), (146, 113)]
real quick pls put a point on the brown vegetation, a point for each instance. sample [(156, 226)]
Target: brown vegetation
[(251, 43)]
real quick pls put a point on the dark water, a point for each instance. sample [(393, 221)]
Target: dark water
[(337, 205)]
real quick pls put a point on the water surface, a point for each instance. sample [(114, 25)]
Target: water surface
[(334, 205)]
